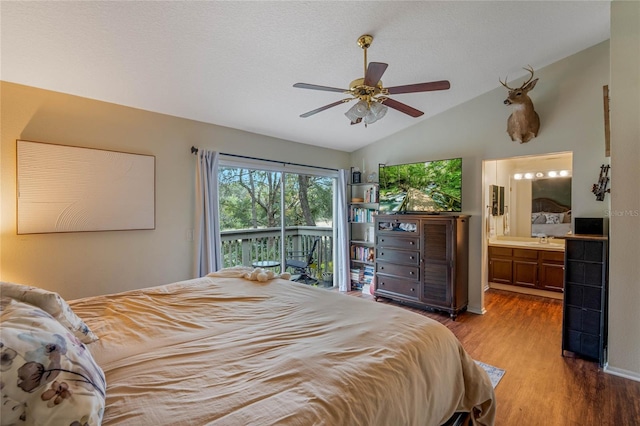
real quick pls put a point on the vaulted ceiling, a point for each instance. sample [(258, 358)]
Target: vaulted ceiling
[(234, 63)]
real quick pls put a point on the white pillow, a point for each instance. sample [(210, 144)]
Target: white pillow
[(553, 218), (53, 304)]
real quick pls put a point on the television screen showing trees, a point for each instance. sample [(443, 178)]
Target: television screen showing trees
[(428, 186)]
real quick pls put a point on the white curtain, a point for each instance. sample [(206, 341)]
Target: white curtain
[(342, 234), (207, 225)]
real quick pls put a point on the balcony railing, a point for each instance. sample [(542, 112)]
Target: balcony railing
[(245, 246)]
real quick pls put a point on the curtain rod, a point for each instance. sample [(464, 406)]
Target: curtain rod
[(194, 150)]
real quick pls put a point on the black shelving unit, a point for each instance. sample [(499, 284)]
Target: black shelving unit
[(584, 319)]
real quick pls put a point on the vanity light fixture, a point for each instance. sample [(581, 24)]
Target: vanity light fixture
[(539, 175)]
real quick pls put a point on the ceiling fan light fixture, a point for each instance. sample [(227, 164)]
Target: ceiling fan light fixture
[(376, 112), (359, 110), (378, 109)]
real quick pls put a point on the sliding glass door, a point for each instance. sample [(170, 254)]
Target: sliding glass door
[(269, 215)]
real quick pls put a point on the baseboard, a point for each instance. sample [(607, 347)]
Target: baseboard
[(524, 290), (476, 310), (632, 375)]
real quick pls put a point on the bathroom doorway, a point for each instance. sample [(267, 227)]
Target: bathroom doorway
[(527, 214)]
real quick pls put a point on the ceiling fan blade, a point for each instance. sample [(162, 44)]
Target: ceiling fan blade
[(402, 107), (420, 87), (316, 87), (374, 73), (322, 108)]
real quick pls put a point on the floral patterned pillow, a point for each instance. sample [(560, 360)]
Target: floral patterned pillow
[(52, 303), (47, 375)]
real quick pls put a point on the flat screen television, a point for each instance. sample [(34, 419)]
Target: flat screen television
[(424, 187)]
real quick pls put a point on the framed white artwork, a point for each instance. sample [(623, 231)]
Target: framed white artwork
[(64, 188)]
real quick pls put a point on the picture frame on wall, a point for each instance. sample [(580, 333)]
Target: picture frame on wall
[(63, 188), (607, 123)]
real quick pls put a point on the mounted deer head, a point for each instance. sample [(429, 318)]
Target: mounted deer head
[(524, 122)]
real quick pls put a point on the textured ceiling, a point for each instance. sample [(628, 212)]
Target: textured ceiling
[(233, 63)]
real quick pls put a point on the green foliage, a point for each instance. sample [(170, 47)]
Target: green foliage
[(251, 199), (440, 179)]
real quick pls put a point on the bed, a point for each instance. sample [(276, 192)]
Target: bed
[(549, 218), (226, 350)]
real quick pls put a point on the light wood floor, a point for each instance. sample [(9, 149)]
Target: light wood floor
[(522, 334)]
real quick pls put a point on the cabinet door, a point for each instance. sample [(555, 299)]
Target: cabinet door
[(551, 270), (551, 276), (525, 273), (438, 262), (500, 270)]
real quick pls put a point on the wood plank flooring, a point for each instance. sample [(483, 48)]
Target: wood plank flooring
[(522, 334)]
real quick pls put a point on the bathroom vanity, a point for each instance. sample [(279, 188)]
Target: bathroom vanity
[(527, 262)]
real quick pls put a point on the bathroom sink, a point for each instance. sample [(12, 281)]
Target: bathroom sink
[(549, 244)]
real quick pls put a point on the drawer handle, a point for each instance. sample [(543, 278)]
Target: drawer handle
[(411, 257), (381, 268), (411, 243), (413, 289), (410, 272)]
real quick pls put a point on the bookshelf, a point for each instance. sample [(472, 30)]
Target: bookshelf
[(363, 206)]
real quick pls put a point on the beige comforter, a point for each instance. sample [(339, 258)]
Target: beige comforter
[(229, 351)]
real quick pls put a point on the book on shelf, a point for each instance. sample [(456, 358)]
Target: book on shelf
[(367, 275), (360, 214), (366, 289), (357, 277), (371, 195), (370, 234), (362, 253)]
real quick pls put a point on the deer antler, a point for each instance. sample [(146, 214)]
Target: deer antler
[(505, 83), (530, 69)]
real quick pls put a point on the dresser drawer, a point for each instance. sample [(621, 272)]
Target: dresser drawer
[(405, 243), (408, 289), (525, 254), (394, 225), (556, 256), (398, 256), (500, 251), (402, 271)]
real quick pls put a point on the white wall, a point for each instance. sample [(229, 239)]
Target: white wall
[(568, 98), (83, 264), (624, 254)]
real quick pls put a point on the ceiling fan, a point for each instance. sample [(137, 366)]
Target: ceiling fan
[(372, 97)]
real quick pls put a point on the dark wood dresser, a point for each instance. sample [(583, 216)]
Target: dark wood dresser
[(422, 260), (584, 317)]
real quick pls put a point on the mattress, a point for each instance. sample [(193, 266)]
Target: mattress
[(223, 350)]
